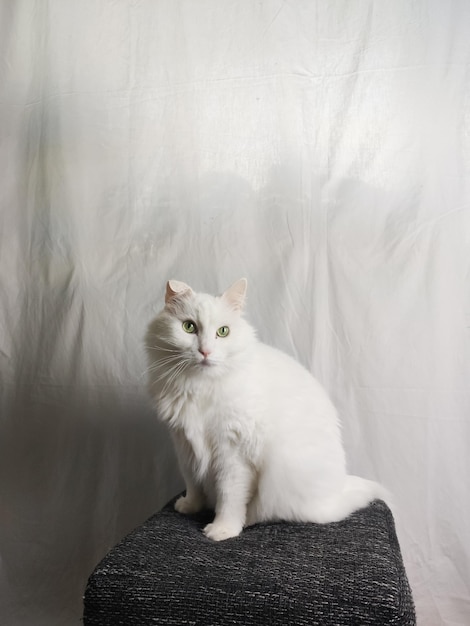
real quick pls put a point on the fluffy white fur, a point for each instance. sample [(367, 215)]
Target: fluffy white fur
[(256, 436)]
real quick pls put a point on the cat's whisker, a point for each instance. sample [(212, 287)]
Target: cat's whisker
[(162, 349), (167, 361), (154, 367), (170, 366), (174, 374)]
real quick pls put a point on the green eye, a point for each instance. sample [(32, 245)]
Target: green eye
[(223, 331), (189, 326)]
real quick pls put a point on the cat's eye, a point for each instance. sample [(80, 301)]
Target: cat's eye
[(223, 331), (189, 326)]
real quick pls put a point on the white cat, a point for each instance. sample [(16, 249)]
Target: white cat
[(256, 436)]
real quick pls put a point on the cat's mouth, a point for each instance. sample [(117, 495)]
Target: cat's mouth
[(206, 363)]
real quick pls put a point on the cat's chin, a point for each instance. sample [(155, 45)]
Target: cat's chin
[(205, 364), (208, 368)]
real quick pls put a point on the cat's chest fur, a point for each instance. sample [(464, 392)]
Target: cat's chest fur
[(210, 425)]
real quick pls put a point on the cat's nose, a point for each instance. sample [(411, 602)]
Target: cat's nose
[(205, 353)]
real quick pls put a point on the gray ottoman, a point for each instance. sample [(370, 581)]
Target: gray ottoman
[(278, 574)]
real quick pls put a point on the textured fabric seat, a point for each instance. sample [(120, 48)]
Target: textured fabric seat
[(167, 572)]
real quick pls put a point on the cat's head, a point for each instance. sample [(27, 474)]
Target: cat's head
[(197, 333)]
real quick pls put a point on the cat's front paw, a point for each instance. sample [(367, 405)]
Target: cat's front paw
[(188, 505), (218, 531)]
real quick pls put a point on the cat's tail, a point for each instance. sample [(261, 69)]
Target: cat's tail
[(356, 494)]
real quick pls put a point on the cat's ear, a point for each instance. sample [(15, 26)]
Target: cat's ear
[(235, 295), (175, 289)]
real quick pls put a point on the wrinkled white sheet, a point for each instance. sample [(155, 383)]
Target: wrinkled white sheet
[(320, 148)]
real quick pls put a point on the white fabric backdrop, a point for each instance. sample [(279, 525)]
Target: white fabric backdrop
[(320, 148)]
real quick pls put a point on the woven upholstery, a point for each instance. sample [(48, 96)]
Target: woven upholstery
[(278, 574)]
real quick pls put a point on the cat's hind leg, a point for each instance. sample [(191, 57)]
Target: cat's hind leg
[(192, 502)]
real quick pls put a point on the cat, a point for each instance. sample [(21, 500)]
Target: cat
[(256, 435)]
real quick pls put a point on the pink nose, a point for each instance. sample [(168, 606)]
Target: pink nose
[(205, 353)]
